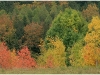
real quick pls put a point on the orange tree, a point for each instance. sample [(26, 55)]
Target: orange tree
[(91, 51)]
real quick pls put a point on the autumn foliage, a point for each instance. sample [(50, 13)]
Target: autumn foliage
[(33, 34), (20, 59), (55, 56), (90, 11), (6, 27), (91, 51)]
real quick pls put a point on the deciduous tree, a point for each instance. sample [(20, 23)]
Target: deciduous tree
[(90, 11), (91, 51), (32, 35)]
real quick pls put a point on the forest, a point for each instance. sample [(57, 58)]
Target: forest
[(49, 34)]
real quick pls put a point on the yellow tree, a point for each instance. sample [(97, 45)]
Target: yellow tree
[(55, 56), (91, 51), (90, 11)]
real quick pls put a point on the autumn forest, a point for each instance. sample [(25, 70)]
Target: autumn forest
[(49, 34)]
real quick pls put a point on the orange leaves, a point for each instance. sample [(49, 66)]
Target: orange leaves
[(91, 51), (12, 60), (91, 55)]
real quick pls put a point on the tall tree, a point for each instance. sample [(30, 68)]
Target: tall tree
[(69, 26)]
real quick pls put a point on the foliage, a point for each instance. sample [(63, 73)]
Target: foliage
[(6, 29), (68, 26), (2, 12), (32, 35), (9, 60), (91, 11), (24, 59), (7, 6), (55, 55), (4, 56), (91, 54), (26, 23), (91, 50), (75, 57)]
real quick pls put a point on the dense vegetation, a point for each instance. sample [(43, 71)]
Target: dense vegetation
[(49, 34)]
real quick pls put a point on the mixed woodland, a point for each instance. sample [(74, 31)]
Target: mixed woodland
[(49, 34)]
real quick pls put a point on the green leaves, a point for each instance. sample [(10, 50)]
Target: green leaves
[(67, 24)]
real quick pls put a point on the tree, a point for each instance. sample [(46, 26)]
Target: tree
[(6, 28), (8, 6), (90, 11), (15, 59), (55, 56), (53, 10), (41, 12), (47, 23), (91, 51), (32, 35), (24, 59), (69, 26), (76, 53)]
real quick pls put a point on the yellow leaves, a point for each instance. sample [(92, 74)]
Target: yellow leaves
[(75, 29), (53, 57), (91, 51), (95, 24), (93, 35)]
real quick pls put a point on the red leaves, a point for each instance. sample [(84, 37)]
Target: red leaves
[(9, 59), (25, 60), (4, 56)]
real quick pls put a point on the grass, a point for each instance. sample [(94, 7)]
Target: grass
[(63, 70)]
